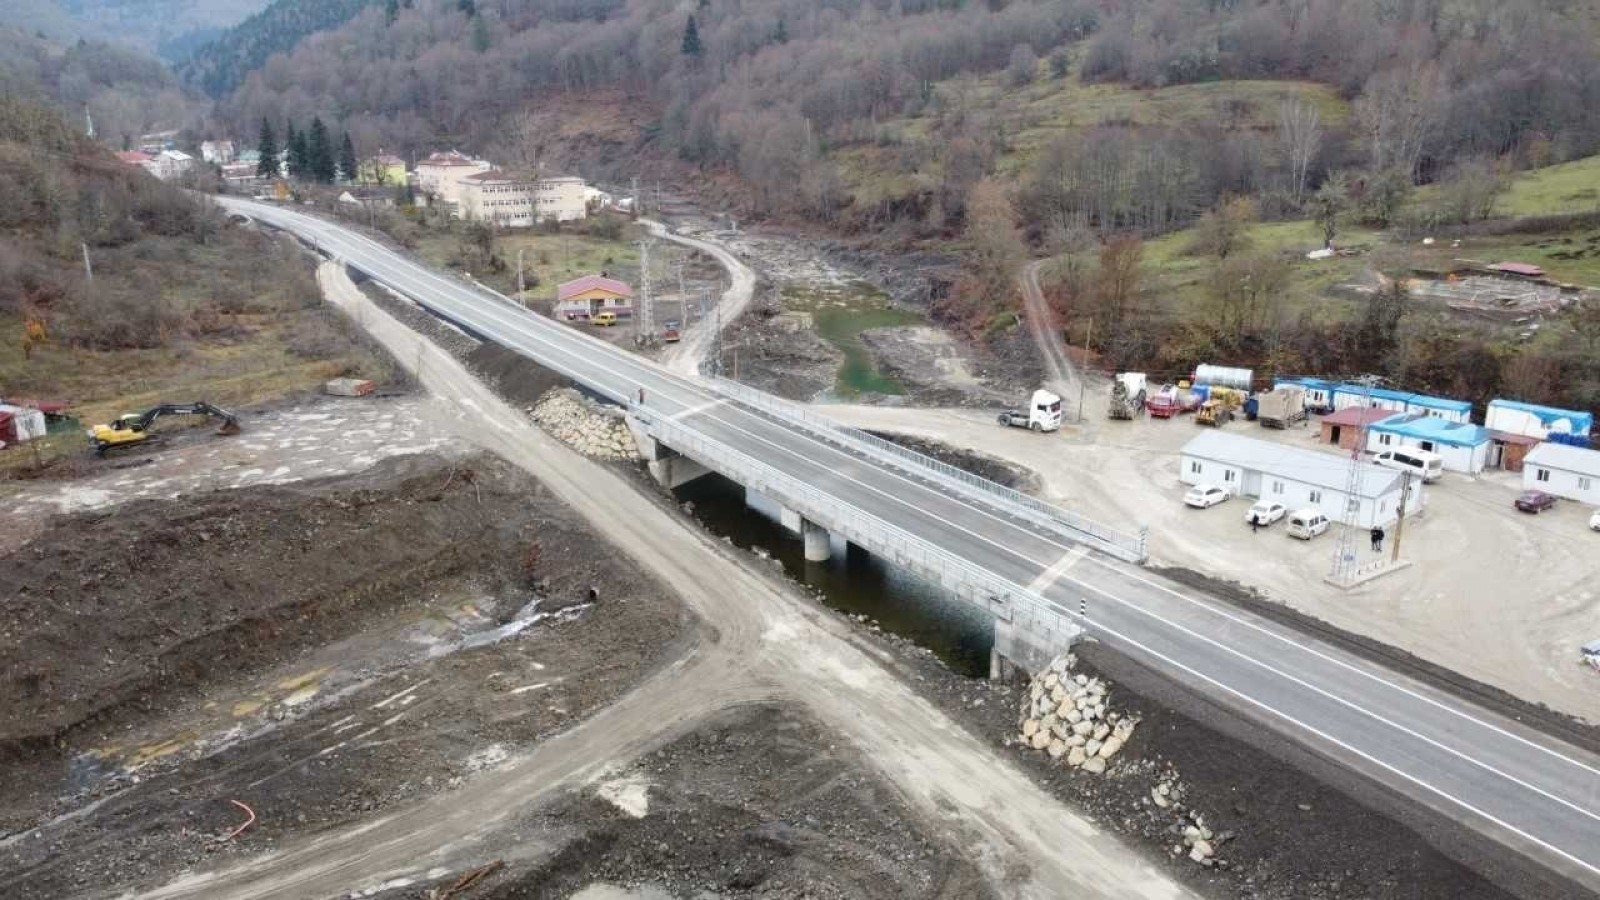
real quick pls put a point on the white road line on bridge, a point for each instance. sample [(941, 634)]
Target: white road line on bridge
[(403, 267), (1049, 576), (695, 410)]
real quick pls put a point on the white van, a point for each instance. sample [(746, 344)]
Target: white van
[(1306, 524), (1421, 463)]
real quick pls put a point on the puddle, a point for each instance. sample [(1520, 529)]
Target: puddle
[(839, 313)]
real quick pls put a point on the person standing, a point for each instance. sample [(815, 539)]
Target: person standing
[(1377, 538)]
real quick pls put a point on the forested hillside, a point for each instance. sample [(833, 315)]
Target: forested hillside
[(125, 92), (164, 27), (219, 65)]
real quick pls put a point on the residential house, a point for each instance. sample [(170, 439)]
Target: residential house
[(1542, 422), (138, 159), (581, 298), (1461, 446), (1345, 427), (239, 171), (1298, 478), (439, 176), (217, 152), (1565, 471), (383, 169), (170, 164)]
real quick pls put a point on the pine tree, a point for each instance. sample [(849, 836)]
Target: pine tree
[(470, 7), (781, 33), (480, 35), (268, 166), (391, 11), (347, 159), (296, 153), (319, 152), (691, 39)]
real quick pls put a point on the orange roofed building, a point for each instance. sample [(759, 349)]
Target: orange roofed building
[(582, 298)]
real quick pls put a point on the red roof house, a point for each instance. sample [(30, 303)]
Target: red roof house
[(583, 297)]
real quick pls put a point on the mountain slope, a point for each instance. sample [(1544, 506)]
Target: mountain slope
[(168, 27), (218, 66)]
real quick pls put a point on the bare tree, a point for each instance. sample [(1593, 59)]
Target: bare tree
[(1397, 115), (1300, 131)]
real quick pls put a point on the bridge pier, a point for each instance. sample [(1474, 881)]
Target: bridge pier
[(670, 468), (819, 544), (1025, 645)]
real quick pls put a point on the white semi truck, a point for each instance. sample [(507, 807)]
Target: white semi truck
[(1043, 413)]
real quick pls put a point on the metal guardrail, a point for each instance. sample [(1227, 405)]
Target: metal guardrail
[(1001, 597), (1121, 544)]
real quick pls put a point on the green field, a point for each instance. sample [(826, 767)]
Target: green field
[(1564, 188), (547, 259)]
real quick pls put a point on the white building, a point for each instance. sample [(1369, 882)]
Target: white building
[(169, 164), (1532, 420), (1461, 447), (1563, 470), (218, 152), (439, 176), (510, 201), (1297, 478)]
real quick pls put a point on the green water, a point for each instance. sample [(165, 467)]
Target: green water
[(839, 315)]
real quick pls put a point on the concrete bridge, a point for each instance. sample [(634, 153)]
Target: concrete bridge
[(1044, 574)]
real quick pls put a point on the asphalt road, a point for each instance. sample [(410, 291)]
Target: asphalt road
[(1533, 793)]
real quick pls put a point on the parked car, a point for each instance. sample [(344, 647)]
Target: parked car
[(1594, 520), (1204, 496), (1306, 524), (604, 319), (1264, 512), (1421, 463), (1535, 501)]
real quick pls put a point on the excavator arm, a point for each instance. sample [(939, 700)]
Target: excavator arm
[(131, 429)]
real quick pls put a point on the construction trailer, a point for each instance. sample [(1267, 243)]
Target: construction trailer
[(1348, 395), (1319, 392), (1298, 478), (1542, 422), (1462, 447), (1563, 470), (1459, 411)]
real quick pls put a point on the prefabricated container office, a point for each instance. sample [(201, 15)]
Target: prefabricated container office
[(1297, 478), (1319, 393), (1536, 421), (1348, 395), (1565, 471), (1462, 447)]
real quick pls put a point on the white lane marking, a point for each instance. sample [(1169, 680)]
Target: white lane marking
[(1048, 577), (671, 379), (696, 410)]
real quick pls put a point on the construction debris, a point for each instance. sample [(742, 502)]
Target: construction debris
[(465, 882), (349, 387), (1068, 717), (247, 822)]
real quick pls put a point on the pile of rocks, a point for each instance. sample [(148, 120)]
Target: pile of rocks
[(1067, 716), (585, 426)]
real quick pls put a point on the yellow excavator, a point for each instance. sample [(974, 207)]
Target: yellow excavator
[(134, 428)]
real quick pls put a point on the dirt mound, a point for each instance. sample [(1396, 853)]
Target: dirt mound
[(512, 375), (118, 608)]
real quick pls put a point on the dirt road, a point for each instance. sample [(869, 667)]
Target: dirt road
[(1041, 321), (768, 644), (684, 357)]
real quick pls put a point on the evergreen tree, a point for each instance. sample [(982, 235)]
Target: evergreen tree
[(268, 166), (470, 7), (296, 153), (319, 152), (391, 11), (781, 33), (347, 159), (691, 39), (480, 35)]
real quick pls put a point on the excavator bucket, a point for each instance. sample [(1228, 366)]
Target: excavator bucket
[(229, 426)]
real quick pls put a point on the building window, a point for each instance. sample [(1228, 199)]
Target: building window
[(1584, 484), (1542, 475), (1316, 496), (1385, 439), (1277, 487), (1227, 475), (1194, 467)]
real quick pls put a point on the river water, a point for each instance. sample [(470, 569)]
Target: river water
[(853, 581)]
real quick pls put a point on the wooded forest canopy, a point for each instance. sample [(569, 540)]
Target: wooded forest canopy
[(778, 84)]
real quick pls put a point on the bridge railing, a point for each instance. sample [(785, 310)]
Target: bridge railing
[(1132, 547), (1046, 622)]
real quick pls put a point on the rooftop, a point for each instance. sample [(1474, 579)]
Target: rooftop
[(1433, 428), (591, 283), (1359, 415), (1581, 421), (1324, 470), (1563, 456)]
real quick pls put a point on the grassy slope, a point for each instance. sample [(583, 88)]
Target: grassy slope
[(551, 258)]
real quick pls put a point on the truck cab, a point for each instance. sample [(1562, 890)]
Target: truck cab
[(1043, 413)]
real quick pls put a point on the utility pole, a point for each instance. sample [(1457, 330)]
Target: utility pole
[(1400, 521), (522, 285), (1344, 560), (88, 268), (1087, 333), (646, 325)]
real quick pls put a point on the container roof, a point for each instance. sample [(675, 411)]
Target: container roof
[(1324, 470), (1360, 415), (1433, 428), (1566, 457), (1581, 421)]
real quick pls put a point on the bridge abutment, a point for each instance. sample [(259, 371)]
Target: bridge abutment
[(1026, 647)]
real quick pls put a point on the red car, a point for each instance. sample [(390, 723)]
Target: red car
[(1535, 501)]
